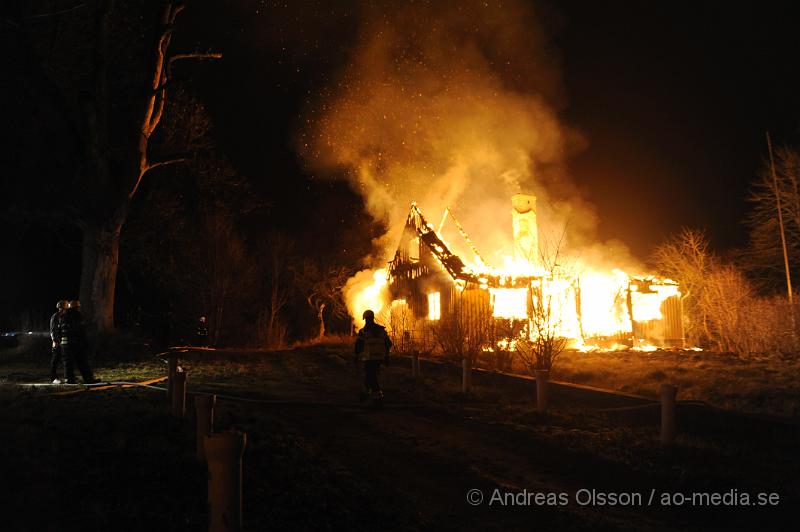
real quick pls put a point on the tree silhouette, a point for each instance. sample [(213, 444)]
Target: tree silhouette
[(107, 83)]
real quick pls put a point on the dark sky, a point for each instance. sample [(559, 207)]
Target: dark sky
[(674, 100)]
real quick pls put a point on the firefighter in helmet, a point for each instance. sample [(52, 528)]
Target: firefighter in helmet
[(202, 331), (55, 336), (372, 348), (74, 344)]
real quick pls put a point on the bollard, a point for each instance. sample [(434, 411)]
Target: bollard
[(179, 394), (415, 364), (204, 407), (224, 455), (172, 367), (668, 394), (466, 375), (542, 378)]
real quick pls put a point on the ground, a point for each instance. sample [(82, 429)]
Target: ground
[(318, 459), (765, 385)]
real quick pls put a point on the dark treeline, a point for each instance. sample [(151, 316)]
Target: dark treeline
[(169, 229)]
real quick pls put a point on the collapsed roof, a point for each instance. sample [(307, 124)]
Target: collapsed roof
[(452, 263)]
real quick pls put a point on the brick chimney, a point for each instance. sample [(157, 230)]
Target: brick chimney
[(526, 232)]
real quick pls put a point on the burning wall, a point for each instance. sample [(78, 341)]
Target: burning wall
[(594, 309)]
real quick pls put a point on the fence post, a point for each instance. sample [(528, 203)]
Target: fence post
[(172, 368), (204, 406), (224, 456), (179, 394), (415, 364), (668, 395)]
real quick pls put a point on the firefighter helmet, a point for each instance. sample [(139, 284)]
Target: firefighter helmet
[(368, 315), (62, 304)]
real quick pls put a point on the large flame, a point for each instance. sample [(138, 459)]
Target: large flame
[(592, 305), (509, 303), (367, 290)]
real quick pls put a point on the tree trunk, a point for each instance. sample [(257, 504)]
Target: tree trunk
[(321, 319), (100, 261)]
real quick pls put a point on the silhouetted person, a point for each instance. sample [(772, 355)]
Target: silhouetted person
[(372, 347), (55, 337), (74, 344), (202, 331)]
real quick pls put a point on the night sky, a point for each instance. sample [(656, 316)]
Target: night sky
[(673, 100)]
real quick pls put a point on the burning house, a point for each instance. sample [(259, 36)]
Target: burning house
[(428, 284)]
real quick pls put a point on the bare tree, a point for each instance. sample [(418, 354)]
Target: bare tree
[(764, 255), (544, 341), (539, 348), (401, 327), (278, 262), (685, 258), (723, 310), (728, 298), (230, 273), (463, 331), (322, 288), (114, 101)]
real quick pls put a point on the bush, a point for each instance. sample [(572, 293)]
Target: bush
[(722, 309)]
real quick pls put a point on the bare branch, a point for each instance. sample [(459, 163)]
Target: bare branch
[(152, 166), (195, 55), (55, 13), (154, 108)]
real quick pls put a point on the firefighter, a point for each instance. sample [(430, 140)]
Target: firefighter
[(372, 347), (74, 344), (202, 332), (55, 337)]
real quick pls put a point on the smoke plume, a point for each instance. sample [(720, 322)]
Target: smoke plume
[(452, 105)]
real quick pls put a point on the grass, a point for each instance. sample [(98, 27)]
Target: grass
[(769, 386), (755, 385), (97, 459)]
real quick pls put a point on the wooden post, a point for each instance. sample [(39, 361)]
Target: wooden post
[(179, 394), (542, 378), (668, 394), (780, 219), (466, 375), (204, 407), (172, 367), (415, 364), (789, 291), (224, 455)]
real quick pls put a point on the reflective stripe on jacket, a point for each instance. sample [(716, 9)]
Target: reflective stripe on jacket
[(374, 347), (71, 328), (373, 343)]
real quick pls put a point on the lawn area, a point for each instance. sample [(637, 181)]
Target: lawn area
[(747, 384), (725, 380), (316, 459)]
